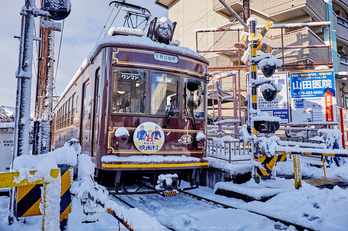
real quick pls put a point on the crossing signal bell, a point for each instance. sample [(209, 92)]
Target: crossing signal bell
[(58, 10)]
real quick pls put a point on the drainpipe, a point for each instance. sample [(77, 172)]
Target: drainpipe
[(331, 30)]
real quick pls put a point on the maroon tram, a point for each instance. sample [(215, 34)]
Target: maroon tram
[(137, 106)]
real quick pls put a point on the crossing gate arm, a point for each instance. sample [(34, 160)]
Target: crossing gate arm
[(7, 180), (317, 152)]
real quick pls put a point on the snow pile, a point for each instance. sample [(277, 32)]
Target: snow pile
[(227, 121), (125, 31), (332, 138), (232, 169), (220, 141), (267, 146), (84, 188), (43, 164), (121, 131), (250, 188)]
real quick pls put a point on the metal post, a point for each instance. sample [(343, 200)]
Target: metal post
[(23, 75), (219, 109), (297, 170), (235, 103)]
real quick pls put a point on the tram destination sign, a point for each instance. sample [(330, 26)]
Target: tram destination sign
[(166, 58)]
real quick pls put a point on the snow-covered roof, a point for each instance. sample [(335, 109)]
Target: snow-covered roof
[(126, 41)]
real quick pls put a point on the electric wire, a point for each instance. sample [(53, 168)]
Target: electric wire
[(113, 21), (197, 20), (101, 32), (218, 40), (59, 49)]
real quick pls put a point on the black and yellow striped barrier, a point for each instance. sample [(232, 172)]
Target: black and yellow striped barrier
[(268, 163), (65, 196), (29, 198), (306, 152), (8, 180), (315, 153)]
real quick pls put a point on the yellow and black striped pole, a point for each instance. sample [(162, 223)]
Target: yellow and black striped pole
[(253, 76)]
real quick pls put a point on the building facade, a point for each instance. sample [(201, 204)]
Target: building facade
[(208, 27)]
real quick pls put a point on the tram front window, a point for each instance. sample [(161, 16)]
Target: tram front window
[(164, 94), (193, 98), (129, 91)]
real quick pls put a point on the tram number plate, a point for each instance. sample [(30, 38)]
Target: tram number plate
[(129, 76), (186, 139)]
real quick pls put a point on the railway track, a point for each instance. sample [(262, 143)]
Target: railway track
[(170, 211)]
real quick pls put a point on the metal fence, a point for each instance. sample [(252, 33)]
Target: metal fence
[(228, 150)]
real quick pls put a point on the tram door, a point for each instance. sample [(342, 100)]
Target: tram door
[(95, 114), (86, 119)]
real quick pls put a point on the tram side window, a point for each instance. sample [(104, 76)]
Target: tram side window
[(86, 100), (164, 94), (129, 91), (193, 98)]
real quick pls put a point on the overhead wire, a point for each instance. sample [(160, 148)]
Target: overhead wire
[(113, 20), (197, 20), (101, 32), (59, 49), (218, 39)]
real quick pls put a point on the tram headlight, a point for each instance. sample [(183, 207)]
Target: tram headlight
[(161, 30), (200, 137), (165, 31), (122, 135)]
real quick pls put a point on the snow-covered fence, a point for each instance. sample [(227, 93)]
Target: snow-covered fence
[(228, 148)]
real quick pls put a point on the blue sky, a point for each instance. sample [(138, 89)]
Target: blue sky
[(81, 31)]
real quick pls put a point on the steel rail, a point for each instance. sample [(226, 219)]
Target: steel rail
[(287, 223)]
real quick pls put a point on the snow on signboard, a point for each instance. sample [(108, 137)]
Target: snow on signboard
[(313, 98)]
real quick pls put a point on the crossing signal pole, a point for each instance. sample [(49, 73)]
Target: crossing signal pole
[(24, 76)]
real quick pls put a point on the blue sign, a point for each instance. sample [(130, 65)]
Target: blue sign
[(313, 98), (311, 84)]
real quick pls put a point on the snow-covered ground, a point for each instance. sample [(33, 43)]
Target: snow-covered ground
[(312, 207)]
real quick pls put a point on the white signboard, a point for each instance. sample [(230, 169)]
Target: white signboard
[(278, 107)]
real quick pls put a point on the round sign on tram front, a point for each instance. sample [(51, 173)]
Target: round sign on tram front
[(148, 138)]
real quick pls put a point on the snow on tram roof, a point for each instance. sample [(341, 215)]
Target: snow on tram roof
[(129, 40)]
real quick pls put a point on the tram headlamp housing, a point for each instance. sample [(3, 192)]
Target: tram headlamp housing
[(161, 30), (122, 135)]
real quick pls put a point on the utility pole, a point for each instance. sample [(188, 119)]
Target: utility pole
[(246, 10), (23, 75), (44, 89)]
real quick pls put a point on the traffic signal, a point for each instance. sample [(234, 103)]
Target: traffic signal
[(263, 126), (269, 91), (268, 64)]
